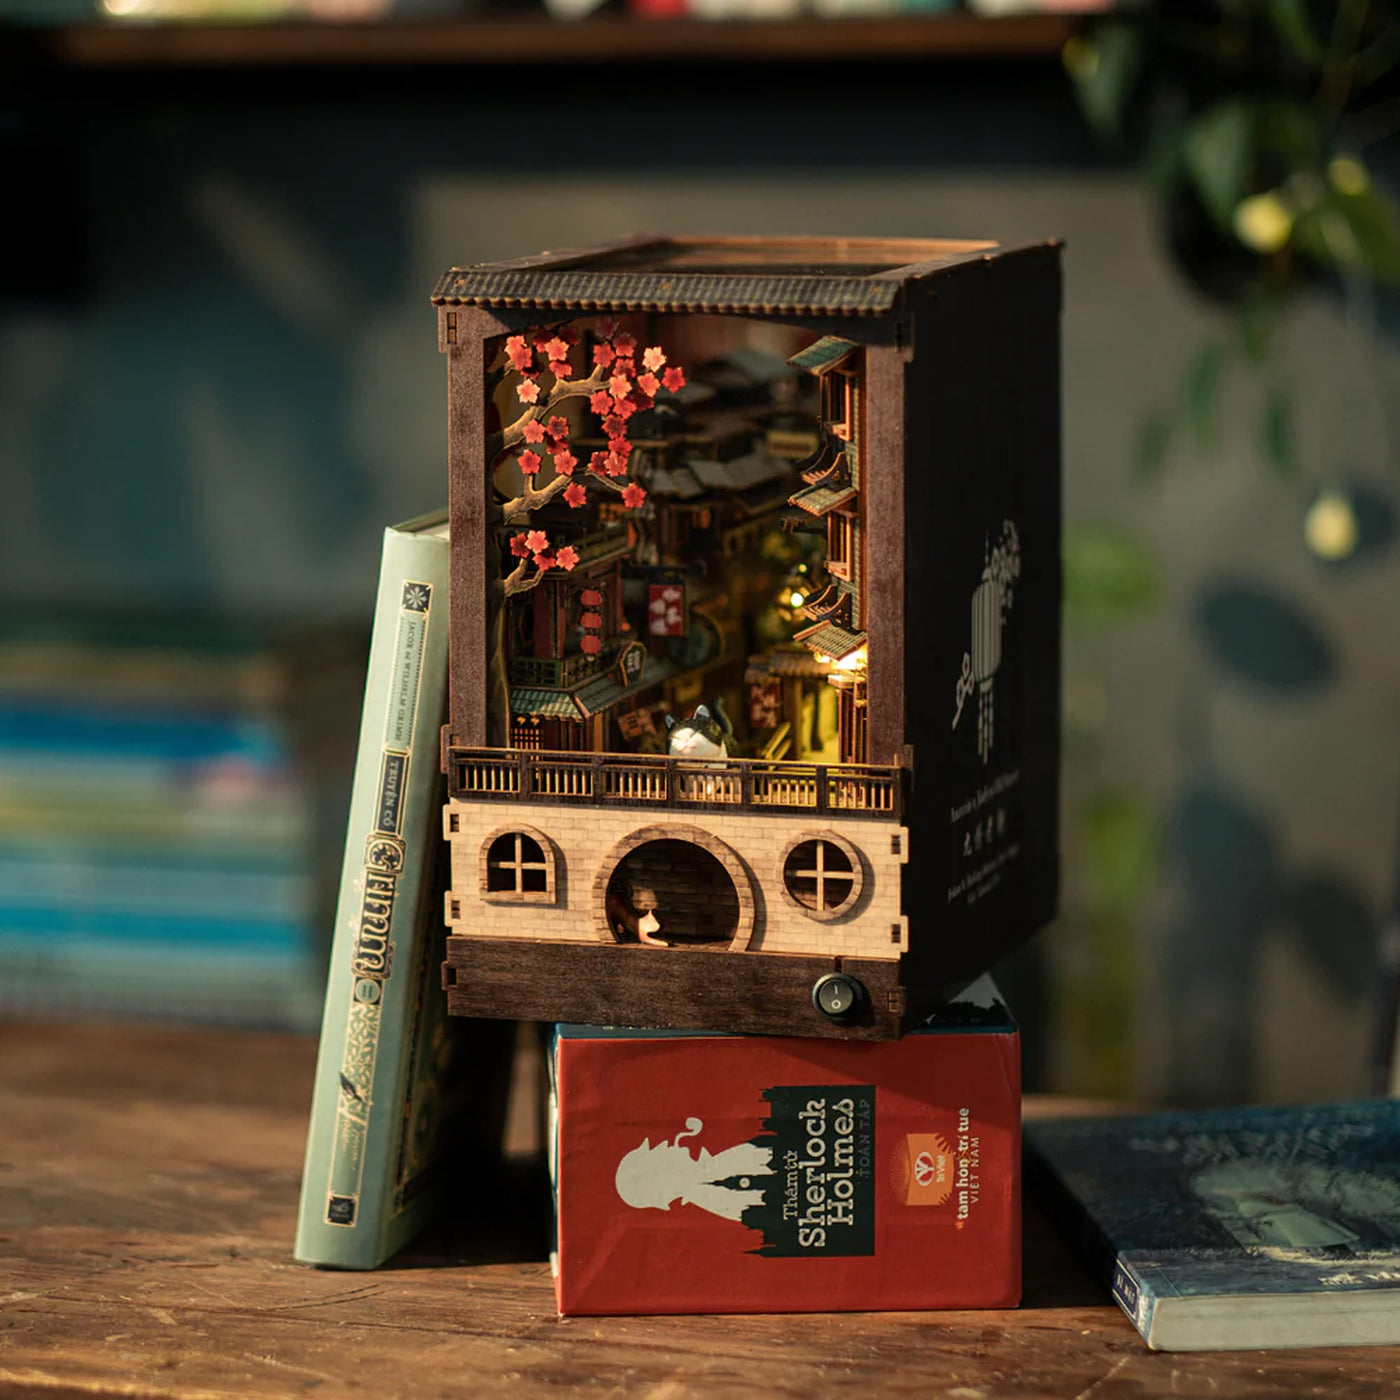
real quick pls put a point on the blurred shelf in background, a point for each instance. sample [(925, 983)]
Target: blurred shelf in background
[(172, 804)]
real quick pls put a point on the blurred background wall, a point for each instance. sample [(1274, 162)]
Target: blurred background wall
[(228, 384)]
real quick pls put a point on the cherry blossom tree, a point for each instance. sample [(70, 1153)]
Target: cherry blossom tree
[(615, 390)]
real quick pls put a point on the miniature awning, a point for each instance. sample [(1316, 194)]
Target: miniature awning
[(831, 640), (604, 691), (785, 665), (822, 500), (542, 704), (823, 355), (589, 697)]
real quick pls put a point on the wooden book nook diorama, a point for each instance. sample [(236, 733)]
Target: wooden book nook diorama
[(755, 608)]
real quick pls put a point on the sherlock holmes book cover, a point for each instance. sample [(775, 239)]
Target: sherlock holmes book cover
[(702, 1173)]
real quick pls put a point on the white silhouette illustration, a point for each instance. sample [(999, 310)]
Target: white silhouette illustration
[(990, 603), (723, 1183)]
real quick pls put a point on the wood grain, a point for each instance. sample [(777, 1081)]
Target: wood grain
[(148, 1185), (535, 40)]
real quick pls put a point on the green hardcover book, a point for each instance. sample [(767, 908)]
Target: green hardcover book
[(391, 1101)]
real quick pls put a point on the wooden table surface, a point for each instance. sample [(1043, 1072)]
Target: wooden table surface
[(148, 1189)]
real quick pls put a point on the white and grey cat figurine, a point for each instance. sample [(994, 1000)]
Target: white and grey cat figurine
[(701, 736)]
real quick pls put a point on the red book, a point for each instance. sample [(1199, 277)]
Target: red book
[(706, 1173)]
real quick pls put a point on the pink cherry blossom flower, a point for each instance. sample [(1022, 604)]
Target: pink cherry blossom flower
[(518, 547), (528, 391), (556, 348), (603, 355), (614, 426), (560, 369), (536, 541), (598, 462), (617, 465), (566, 558), (607, 328), (533, 431), (654, 357), (576, 496), (624, 344), (529, 462), (649, 384), (620, 386), (674, 378), (565, 462), (633, 495), (519, 353), (558, 428), (601, 402), (543, 562)]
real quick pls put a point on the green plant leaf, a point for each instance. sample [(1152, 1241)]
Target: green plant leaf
[(1202, 393), (1118, 851), (1258, 326), (1293, 24), (1355, 232), (1276, 437), (1154, 440), (1105, 70), (1109, 576), (1219, 151)]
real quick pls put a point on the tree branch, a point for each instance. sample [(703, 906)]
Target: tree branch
[(563, 389), (517, 511), (516, 582)]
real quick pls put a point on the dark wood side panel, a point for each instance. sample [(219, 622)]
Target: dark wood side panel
[(464, 333), (884, 596), (601, 984)]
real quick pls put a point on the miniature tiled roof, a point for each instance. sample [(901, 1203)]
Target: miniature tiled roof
[(818, 500), (739, 473), (831, 640), (551, 704), (822, 355), (577, 289), (602, 692)]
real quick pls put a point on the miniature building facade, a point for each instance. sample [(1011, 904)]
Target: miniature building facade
[(755, 629)]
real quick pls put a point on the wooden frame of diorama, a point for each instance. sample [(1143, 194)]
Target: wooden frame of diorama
[(945, 614)]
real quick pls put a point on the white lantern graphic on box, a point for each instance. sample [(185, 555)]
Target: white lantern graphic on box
[(991, 601)]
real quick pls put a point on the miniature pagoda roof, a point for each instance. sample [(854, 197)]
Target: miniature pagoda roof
[(821, 276)]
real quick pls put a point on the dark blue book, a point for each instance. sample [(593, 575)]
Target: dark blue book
[(1233, 1229)]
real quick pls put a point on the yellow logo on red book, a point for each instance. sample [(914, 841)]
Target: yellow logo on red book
[(922, 1168)]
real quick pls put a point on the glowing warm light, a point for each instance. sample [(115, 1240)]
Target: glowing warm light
[(856, 661), (795, 600), (123, 7), (1348, 175), (1263, 222), (1330, 527)]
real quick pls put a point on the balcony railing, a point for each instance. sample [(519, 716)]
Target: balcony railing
[(626, 780), (554, 673)]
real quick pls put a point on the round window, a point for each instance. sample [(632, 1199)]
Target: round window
[(822, 876)]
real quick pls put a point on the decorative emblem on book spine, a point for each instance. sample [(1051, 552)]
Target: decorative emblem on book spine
[(991, 601)]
